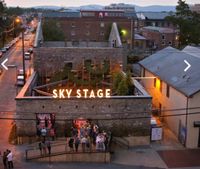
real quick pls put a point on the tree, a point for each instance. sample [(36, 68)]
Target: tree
[(122, 89), (117, 78), (52, 33), (188, 23)]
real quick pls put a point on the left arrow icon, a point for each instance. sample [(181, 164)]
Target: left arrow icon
[(3, 64)]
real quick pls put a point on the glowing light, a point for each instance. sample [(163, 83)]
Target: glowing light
[(17, 20), (158, 83), (124, 32), (81, 93)]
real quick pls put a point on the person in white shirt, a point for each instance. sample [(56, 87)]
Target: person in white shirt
[(10, 159)]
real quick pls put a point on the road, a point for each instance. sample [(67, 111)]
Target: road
[(8, 90)]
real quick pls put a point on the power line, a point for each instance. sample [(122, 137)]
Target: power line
[(116, 118)]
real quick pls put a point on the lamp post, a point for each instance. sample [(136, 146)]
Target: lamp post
[(18, 20)]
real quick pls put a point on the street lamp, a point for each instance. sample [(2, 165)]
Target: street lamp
[(18, 20)]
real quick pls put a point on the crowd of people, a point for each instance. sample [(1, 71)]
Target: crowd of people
[(44, 146), (7, 159), (89, 137)]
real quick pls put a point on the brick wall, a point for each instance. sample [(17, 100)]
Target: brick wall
[(49, 60), (108, 113)]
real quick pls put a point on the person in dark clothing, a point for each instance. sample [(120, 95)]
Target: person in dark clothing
[(71, 144), (49, 147), (5, 160), (40, 147), (77, 142)]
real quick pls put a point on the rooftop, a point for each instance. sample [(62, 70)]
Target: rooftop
[(168, 65), (139, 37), (159, 29)]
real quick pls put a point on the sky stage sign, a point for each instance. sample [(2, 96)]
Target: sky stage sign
[(81, 93)]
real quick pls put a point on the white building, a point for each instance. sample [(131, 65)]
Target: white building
[(175, 91)]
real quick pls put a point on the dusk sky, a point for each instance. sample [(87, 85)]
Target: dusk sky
[(29, 3)]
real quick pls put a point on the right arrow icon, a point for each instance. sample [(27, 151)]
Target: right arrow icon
[(188, 65)]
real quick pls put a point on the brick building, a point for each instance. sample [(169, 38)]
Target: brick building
[(160, 37), (93, 26)]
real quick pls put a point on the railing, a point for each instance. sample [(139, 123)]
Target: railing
[(63, 148)]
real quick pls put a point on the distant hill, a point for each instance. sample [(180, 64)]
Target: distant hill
[(153, 8)]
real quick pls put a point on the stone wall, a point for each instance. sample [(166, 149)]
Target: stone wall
[(122, 115), (49, 60)]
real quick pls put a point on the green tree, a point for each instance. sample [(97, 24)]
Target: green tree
[(117, 78), (188, 23), (122, 89), (52, 31)]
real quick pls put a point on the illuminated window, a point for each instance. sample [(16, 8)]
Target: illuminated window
[(158, 84), (167, 90)]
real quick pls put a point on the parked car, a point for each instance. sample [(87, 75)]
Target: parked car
[(30, 50), (1, 54), (3, 50), (20, 80), (27, 56), (1, 71)]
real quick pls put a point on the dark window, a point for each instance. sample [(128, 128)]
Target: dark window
[(143, 73), (163, 37), (167, 90), (154, 82)]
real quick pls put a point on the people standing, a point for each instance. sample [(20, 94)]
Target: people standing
[(83, 143), (44, 148), (5, 160), (77, 142), (40, 147), (44, 133), (10, 159), (71, 144), (49, 147)]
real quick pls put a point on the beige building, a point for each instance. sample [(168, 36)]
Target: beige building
[(175, 90)]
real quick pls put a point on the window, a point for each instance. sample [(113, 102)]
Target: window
[(73, 33), (102, 24), (102, 33), (87, 33), (143, 73), (73, 25), (87, 25), (170, 43), (163, 37), (167, 90), (163, 43), (154, 82)]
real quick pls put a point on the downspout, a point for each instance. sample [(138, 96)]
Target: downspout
[(186, 122)]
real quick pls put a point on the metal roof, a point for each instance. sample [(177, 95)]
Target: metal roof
[(168, 65), (139, 37), (194, 51), (153, 15), (159, 29)]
